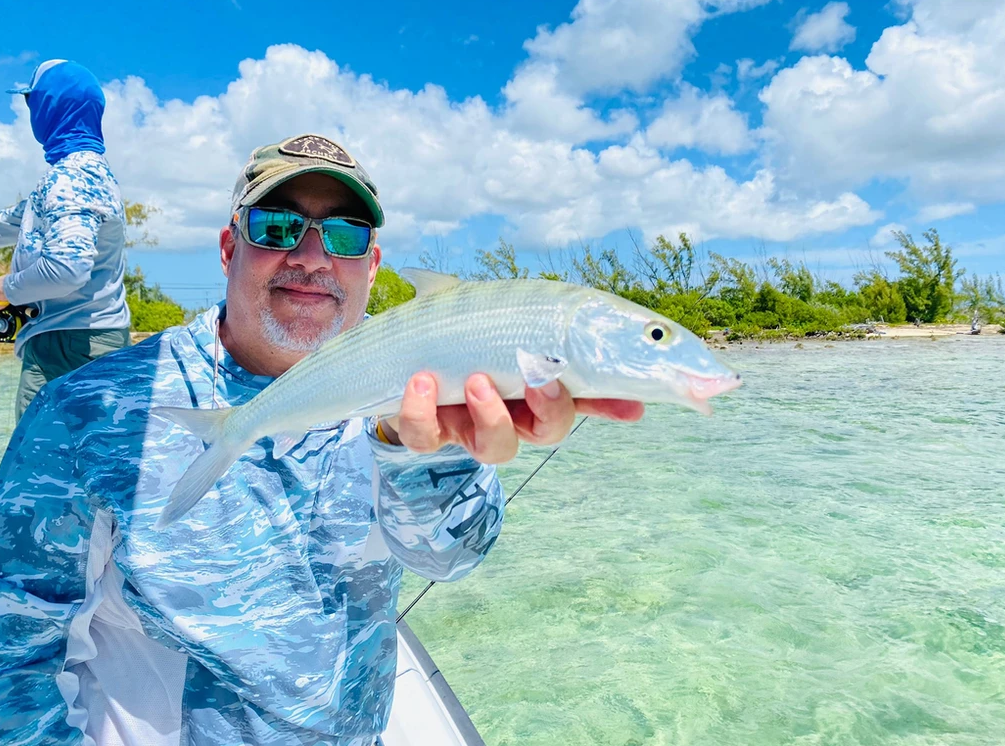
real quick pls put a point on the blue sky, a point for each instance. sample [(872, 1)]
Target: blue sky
[(758, 126)]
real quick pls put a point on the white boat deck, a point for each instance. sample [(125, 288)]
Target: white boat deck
[(425, 711)]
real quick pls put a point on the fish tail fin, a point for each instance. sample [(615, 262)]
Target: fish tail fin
[(212, 464)]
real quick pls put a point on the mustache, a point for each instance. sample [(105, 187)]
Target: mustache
[(314, 280)]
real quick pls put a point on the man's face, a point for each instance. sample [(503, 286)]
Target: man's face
[(293, 301)]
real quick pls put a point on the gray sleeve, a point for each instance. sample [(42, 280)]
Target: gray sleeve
[(67, 257), (10, 223)]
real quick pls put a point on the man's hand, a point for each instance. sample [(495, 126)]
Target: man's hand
[(488, 427), (3, 296)]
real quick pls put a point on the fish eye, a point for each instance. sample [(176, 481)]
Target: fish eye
[(658, 332)]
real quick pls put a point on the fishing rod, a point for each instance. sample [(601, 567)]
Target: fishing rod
[(508, 500)]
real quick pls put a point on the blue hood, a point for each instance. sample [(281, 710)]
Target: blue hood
[(66, 105)]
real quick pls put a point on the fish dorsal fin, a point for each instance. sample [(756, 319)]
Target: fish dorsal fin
[(426, 281)]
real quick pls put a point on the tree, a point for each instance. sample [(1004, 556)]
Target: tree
[(155, 316), (983, 297), (794, 280), (499, 264), (151, 309), (437, 259), (605, 272), (137, 215), (881, 297), (389, 290), (929, 276), (737, 283), (549, 270), (676, 268), (136, 285)]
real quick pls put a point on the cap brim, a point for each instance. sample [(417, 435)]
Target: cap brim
[(358, 187), (21, 91)]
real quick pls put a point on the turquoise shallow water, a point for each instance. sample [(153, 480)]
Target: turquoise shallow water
[(821, 562)]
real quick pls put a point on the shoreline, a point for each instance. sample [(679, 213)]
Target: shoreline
[(717, 338), (882, 331)]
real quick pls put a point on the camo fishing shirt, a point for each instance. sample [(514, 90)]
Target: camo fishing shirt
[(69, 259), (264, 616)]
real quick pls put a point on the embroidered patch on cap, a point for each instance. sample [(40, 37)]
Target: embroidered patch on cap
[(314, 146)]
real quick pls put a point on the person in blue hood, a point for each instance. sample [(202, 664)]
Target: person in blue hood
[(69, 258)]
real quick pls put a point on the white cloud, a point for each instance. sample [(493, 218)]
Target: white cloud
[(611, 45), (608, 46), (927, 110), (637, 187), (826, 31), (884, 236), (746, 69), (695, 120), (437, 162), (21, 58), (990, 246), (720, 76), (931, 213), (974, 17), (537, 108)]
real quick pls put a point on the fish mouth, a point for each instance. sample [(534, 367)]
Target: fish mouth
[(701, 389)]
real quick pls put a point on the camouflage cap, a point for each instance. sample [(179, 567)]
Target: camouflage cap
[(271, 165)]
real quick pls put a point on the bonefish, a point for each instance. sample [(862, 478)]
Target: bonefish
[(518, 332)]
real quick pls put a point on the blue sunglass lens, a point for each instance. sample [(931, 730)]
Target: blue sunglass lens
[(346, 237), (274, 229)]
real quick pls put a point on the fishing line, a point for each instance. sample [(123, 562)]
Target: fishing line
[(510, 498)]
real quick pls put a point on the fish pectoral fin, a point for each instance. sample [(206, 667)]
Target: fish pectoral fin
[(425, 281), (205, 423), (197, 480), (283, 443), (537, 369)]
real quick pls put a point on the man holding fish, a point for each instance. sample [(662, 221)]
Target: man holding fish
[(233, 578)]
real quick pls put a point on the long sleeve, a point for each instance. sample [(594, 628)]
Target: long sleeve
[(10, 223), (46, 520), (439, 513), (277, 587), (68, 251)]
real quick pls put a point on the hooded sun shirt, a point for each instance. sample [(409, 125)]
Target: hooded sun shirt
[(69, 261), (66, 106)]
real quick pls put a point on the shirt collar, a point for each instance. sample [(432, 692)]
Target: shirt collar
[(205, 333)]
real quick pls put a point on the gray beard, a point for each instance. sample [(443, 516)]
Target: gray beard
[(296, 335), (288, 337)]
